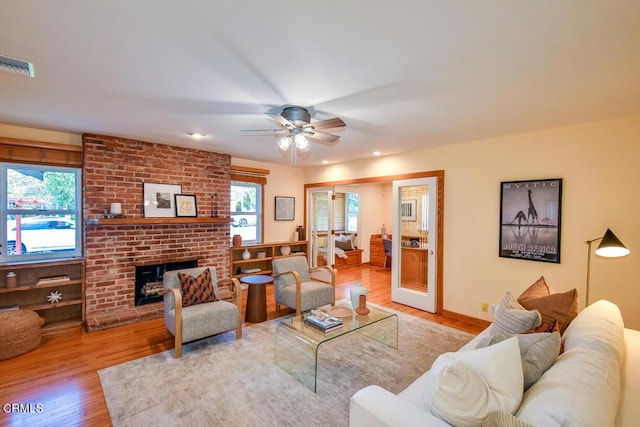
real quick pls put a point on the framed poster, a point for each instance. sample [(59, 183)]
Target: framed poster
[(408, 210), (285, 208), (186, 205), (159, 200), (530, 219)]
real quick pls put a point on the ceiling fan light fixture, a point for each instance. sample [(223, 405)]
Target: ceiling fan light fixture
[(284, 143), (196, 135), (302, 143)]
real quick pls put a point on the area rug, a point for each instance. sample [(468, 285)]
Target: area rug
[(221, 381)]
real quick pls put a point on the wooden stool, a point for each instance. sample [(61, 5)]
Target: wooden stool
[(19, 332)]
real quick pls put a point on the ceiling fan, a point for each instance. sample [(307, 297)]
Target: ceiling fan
[(297, 130)]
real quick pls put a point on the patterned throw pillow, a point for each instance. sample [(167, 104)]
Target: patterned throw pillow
[(196, 290), (503, 419)]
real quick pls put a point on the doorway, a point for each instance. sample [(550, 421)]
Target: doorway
[(435, 230), (414, 243)]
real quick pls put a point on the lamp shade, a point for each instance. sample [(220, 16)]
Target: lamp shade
[(611, 246)]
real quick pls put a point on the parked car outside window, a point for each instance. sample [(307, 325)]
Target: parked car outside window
[(243, 220), (42, 234)]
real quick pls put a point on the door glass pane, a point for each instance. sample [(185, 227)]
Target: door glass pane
[(319, 223), (414, 211)]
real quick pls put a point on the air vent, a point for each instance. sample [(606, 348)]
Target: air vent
[(16, 66)]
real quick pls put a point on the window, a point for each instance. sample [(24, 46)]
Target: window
[(40, 212), (246, 211), (345, 212), (352, 212)]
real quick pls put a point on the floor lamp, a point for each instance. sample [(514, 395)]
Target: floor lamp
[(609, 247)]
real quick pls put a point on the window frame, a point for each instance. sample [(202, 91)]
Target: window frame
[(259, 210), (5, 211)]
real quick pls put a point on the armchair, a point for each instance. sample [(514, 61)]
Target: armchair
[(199, 320), (294, 285)]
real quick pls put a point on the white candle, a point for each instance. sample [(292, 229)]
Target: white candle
[(116, 208)]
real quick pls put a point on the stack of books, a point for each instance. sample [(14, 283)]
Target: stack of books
[(323, 321), (51, 280)]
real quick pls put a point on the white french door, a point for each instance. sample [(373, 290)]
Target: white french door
[(414, 243), (320, 220)]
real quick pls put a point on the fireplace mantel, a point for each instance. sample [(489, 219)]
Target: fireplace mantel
[(155, 221)]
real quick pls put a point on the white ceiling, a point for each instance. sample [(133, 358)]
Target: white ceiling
[(403, 75)]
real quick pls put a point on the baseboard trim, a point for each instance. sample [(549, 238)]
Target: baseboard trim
[(465, 318)]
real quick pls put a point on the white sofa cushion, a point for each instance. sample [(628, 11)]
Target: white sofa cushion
[(628, 408), (464, 387), (582, 388)]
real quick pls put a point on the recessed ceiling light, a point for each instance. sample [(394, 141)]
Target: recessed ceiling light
[(196, 135), (324, 162), (376, 153)]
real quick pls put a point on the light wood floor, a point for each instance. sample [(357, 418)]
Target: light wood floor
[(61, 374)]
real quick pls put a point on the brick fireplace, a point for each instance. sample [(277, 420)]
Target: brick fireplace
[(114, 171)]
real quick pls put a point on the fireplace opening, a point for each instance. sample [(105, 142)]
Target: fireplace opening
[(149, 279)]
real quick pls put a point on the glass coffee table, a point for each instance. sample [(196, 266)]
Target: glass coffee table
[(297, 344)]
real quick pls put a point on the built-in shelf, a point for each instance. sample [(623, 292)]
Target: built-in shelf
[(28, 295), (263, 265), (44, 286), (155, 221), (49, 306)]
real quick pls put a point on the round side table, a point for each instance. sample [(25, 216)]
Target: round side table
[(256, 297)]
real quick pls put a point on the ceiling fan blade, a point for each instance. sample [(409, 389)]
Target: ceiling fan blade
[(277, 118), (322, 137), (264, 132), (329, 123)]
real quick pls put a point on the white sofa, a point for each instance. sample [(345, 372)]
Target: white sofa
[(594, 382)]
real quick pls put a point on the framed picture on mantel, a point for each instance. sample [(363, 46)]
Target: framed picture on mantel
[(159, 200), (186, 205), (530, 219)]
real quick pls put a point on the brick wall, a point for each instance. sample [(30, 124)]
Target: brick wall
[(114, 171)]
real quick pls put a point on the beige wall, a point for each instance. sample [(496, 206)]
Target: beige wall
[(598, 163), (281, 181), (19, 132)]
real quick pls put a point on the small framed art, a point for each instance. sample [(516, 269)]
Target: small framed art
[(186, 205), (408, 210), (285, 208)]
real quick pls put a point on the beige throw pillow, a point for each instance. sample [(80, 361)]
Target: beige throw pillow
[(512, 318), (466, 386)]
